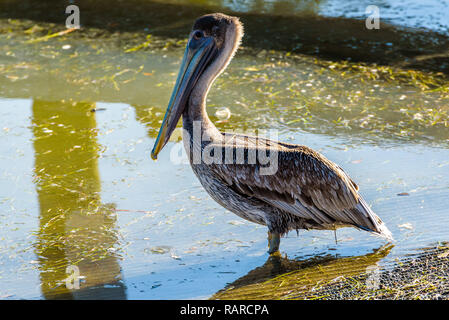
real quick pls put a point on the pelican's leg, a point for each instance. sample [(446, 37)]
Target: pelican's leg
[(274, 239)]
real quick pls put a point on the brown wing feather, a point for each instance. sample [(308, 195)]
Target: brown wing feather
[(306, 184)]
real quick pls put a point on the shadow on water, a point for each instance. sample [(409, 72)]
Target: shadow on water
[(280, 277), (305, 32), (75, 228)]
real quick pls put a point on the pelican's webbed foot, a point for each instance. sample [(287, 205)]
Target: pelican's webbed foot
[(274, 240)]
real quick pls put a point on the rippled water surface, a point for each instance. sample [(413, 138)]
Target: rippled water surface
[(78, 187)]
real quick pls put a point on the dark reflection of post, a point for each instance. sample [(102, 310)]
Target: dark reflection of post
[(75, 228)]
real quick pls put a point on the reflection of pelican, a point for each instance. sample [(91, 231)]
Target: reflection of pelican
[(283, 278), (307, 191)]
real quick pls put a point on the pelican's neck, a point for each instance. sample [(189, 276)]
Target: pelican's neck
[(196, 107), (195, 115)]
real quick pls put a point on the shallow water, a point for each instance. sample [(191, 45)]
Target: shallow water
[(78, 187)]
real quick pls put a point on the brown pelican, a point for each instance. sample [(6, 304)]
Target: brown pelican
[(306, 191)]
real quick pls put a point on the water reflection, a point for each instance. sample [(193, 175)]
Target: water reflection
[(281, 277), (75, 227)]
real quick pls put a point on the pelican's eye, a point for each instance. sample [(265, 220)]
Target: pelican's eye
[(197, 35)]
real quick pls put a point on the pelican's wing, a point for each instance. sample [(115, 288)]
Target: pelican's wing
[(305, 184)]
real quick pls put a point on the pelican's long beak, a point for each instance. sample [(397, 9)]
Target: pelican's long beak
[(196, 57)]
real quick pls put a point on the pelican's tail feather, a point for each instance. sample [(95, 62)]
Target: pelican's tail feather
[(380, 229)]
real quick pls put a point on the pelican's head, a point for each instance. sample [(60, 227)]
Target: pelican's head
[(212, 44)]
